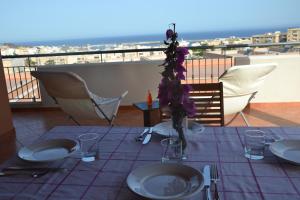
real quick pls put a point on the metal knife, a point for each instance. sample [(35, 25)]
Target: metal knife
[(23, 168), (141, 136), (34, 174), (206, 173), (148, 137)]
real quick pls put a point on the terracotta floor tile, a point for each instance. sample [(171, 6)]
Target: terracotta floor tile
[(34, 123)]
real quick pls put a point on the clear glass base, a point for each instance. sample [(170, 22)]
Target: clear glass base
[(173, 160), (89, 157), (254, 155)]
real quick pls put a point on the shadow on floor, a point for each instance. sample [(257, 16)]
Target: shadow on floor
[(272, 118)]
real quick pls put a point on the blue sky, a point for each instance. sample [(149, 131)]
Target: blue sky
[(34, 20)]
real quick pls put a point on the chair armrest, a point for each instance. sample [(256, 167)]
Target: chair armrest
[(124, 94), (101, 100)]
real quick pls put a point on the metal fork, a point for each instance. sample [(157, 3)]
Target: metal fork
[(214, 176)]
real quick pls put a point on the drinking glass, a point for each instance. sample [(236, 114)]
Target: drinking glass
[(172, 150), (89, 146), (254, 144)]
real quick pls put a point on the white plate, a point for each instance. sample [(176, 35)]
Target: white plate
[(166, 129), (165, 181), (288, 150), (48, 150)]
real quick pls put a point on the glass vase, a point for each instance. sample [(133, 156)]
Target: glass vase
[(172, 150)]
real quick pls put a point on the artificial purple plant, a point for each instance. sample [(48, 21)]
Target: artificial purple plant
[(171, 92)]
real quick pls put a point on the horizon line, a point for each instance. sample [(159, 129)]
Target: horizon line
[(143, 35)]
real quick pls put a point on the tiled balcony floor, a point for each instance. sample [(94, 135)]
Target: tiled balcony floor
[(31, 124)]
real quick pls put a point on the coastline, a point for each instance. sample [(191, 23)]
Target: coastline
[(148, 39)]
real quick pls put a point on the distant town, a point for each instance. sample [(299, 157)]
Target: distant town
[(292, 35), (210, 62)]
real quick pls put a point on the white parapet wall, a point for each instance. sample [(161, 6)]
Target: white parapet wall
[(283, 84), (112, 79)]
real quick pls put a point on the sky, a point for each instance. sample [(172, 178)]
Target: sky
[(38, 20)]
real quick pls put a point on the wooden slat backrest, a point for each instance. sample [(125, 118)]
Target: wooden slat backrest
[(208, 99)]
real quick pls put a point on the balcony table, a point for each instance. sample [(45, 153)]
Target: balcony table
[(151, 114), (105, 178)]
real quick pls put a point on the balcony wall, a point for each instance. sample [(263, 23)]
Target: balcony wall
[(283, 83), (7, 130), (111, 79), (6, 125)]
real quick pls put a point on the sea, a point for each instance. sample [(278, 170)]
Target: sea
[(151, 39)]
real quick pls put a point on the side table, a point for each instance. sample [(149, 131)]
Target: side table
[(151, 114)]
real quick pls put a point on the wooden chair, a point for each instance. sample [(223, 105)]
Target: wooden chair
[(208, 99)]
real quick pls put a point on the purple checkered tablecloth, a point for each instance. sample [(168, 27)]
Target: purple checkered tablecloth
[(240, 178)]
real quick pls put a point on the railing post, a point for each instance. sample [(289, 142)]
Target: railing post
[(28, 61), (193, 77), (211, 69), (225, 59)]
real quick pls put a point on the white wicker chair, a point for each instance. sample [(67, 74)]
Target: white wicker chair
[(71, 93), (240, 84)]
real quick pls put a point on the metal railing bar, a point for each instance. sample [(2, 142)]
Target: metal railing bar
[(204, 47), (32, 80), (9, 80), (38, 85), (26, 81), (83, 53), (218, 67), (186, 70), (21, 81), (193, 71), (15, 82), (211, 70), (205, 69), (199, 68)]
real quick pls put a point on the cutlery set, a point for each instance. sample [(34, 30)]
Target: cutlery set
[(214, 176), (34, 172), (145, 136), (206, 174), (211, 176)]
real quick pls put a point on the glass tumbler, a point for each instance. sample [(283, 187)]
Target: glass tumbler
[(89, 146), (254, 144), (172, 150)]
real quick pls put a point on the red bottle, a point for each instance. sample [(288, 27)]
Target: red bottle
[(149, 99)]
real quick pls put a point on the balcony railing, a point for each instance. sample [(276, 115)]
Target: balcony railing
[(206, 70), (21, 86), (207, 67)]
